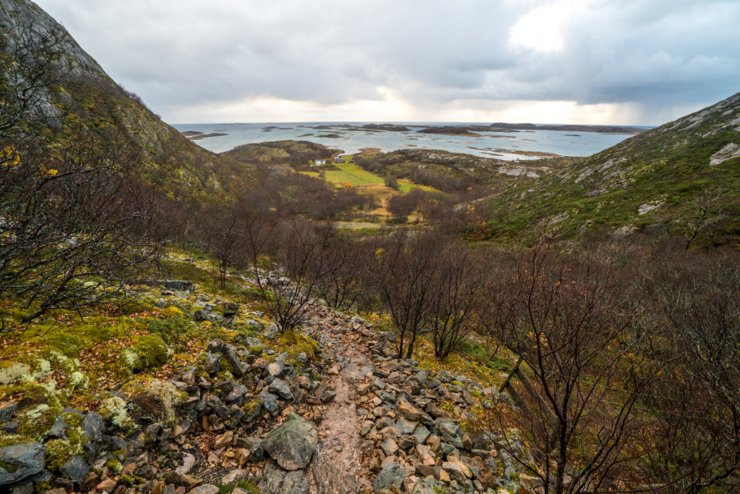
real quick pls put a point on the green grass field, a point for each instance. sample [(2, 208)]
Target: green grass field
[(348, 173)]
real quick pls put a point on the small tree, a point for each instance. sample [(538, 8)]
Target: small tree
[(402, 274), (455, 300), (564, 323), (293, 253)]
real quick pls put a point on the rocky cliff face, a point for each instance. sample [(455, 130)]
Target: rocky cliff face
[(680, 178), (77, 97)]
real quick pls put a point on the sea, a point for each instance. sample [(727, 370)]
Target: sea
[(350, 137)]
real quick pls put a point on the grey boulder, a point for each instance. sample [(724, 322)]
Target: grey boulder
[(293, 444)]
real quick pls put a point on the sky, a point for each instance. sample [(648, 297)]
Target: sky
[(641, 62)]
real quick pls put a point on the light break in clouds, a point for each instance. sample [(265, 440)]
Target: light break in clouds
[(560, 61)]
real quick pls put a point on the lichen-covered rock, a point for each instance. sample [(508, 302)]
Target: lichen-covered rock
[(293, 444), (20, 461)]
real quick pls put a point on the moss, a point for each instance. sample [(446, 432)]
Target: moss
[(148, 352), (58, 452), (114, 466), (294, 343), (38, 408), (249, 486), (152, 397)]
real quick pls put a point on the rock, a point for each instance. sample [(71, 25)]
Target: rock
[(448, 430), (269, 402), (293, 444), (178, 285), (389, 446), (409, 411), (390, 476), (276, 369), (421, 434), (230, 309), (233, 476), (406, 426), (22, 488), (188, 461), (93, 426), (457, 470), (213, 363), (204, 489), (58, 429), (7, 410), (237, 393), (237, 366), (76, 468), (271, 332), (278, 481), (281, 388), (20, 461)]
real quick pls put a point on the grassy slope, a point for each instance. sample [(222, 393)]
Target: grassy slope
[(666, 169)]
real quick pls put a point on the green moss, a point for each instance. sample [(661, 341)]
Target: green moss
[(173, 330), (294, 343), (58, 452), (245, 484), (148, 352)]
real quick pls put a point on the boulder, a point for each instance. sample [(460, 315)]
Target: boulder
[(20, 461), (293, 444), (277, 481)]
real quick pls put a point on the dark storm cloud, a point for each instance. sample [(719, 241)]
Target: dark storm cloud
[(656, 57)]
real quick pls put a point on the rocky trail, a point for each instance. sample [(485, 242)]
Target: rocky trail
[(257, 416)]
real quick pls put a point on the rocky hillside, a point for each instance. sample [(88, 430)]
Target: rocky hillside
[(680, 178), (47, 74), (181, 387)]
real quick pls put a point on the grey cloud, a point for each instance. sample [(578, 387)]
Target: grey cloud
[(654, 54)]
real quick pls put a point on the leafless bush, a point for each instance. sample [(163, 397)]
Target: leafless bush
[(402, 275), (456, 298), (565, 324)]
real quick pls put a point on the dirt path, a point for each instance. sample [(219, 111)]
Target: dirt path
[(338, 467)]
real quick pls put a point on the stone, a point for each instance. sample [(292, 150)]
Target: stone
[(421, 434), (188, 461), (7, 410), (409, 411), (278, 481), (448, 430), (20, 461), (22, 488), (238, 368), (178, 285), (293, 444), (406, 426), (58, 429), (269, 402), (93, 426), (389, 446), (204, 489), (213, 363), (281, 388), (76, 468), (276, 369), (391, 475)]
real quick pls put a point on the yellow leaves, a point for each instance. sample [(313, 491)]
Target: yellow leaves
[(9, 157), (52, 172)]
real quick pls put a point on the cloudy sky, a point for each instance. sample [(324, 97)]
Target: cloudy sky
[(560, 61)]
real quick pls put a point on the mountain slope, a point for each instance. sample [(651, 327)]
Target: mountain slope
[(680, 178), (46, 76)]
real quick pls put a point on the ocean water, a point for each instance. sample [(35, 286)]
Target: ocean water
[(351, 138)]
